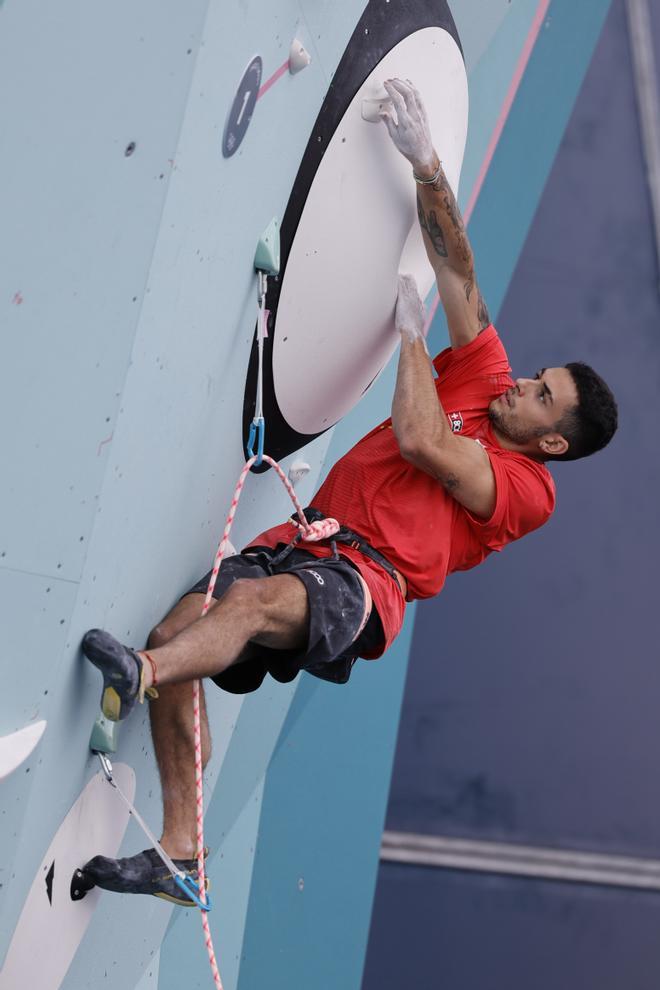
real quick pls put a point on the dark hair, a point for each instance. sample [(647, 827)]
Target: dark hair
[(591, 424)]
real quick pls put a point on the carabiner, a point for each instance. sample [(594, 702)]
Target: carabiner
[(189, 887), (257, 431)]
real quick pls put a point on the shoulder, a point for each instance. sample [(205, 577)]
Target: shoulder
[(525, 497), (523, 471), (484, 355)]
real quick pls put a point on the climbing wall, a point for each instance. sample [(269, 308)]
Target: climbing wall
[(144, 150)]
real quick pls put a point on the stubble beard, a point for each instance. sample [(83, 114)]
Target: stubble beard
[(515, 432)]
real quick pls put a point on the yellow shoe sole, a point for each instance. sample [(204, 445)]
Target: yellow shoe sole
[(111, 704), (183, 902)]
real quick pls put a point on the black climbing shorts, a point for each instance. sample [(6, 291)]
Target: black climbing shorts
[(336, 608)]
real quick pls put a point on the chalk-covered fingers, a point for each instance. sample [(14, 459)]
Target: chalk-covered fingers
[(409, 315), (416, 100), (398, 100), (410, 132)]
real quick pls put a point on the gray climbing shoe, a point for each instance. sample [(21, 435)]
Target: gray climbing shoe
[(123, 674), (144, 873)]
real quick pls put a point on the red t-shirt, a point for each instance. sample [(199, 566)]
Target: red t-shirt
[(407, 515)]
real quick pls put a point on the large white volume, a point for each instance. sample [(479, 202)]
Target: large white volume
[(335, 328)]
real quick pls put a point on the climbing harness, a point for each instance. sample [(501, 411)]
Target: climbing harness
[(327, 528)]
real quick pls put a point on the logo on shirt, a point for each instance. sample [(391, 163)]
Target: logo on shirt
[(316, 576), (456, 421)]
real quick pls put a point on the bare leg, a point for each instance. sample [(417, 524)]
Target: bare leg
[(173, 737), (284, 621), (272, 611)]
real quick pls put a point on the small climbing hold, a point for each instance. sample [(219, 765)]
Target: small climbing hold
[(372, 109), (299, 57), (297, 471), (267, 254)]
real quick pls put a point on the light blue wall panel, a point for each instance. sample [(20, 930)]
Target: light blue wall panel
[(515, 180), (157, 478), (79, 223), (499, 44)]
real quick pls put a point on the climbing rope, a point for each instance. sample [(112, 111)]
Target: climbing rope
[(319, 530)]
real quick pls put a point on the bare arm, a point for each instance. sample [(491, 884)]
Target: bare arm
[(449, 251), (420, 423), (447, 245)]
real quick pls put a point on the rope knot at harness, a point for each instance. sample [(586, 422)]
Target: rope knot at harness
[(319, 530)]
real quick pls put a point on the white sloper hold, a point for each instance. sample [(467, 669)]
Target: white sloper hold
[(297, 471), (299, 57), (372, 109)]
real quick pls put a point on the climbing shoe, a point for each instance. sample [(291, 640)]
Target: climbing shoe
[(123, 674), (144, 873)]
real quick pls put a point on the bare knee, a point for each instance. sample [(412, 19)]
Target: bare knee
[(184, 613), (161, 634), (168, 628), (254, 598)]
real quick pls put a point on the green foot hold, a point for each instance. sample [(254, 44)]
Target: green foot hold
[(105, 735), (267, 256)]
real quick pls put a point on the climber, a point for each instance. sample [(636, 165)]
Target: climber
[(458, 471)]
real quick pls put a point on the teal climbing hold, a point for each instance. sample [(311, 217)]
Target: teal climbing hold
[(104, 735), (267, 255)]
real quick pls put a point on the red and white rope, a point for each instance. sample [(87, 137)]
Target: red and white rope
[(316, 531)]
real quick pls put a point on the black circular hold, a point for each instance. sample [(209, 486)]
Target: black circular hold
[(129, 149), (242, 108), (80, 885)]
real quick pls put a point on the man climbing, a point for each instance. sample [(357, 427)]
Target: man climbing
[(457, 472)]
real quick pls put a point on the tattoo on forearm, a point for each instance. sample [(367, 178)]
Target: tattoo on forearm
[(461, 242), (458, 242), (433, 229)]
